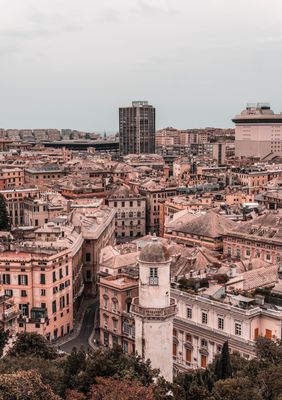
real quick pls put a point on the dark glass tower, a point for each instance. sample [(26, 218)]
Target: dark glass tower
[(137, 128)]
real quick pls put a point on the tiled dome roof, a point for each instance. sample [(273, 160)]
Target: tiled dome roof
[(154, 252)]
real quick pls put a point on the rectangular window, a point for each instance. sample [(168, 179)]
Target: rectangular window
[(189, 312), (188, 338), (188, 356), (54, 276), (238, 328), (54, 306), (24, 309), (106, 339), (67, 270), (204, 317), (174, 349), (42, 279), (88, 257), (220, 323), (203, 361), (62, 302), (125, 346), (154, 280), (60, 273), (256, 333), (43, 292), (23, 293), (22, 280), (268, 333), (6, 279)]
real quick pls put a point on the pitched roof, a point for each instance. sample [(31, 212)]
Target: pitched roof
[(267, 226), (260, 277), (210, 224)]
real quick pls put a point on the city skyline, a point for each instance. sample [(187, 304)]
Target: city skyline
[(67, 64)]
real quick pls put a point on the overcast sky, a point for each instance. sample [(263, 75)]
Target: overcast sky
[(72, 63)]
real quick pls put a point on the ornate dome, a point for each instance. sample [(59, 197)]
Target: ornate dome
[(154, 252)]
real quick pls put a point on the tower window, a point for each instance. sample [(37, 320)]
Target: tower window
[(154, 280), (220, 322), (204, 318)]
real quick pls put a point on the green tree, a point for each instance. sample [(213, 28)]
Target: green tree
[(269, 381), (4, 336), (116, 389), (33, 344), (25, 385), (51, 371), (223, 367), (269, 351), (239, 389), (4, 218), (74, 366)]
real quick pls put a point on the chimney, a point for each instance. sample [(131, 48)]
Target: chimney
[(212, 282), (232, 272), (259, 299), (68, 206)]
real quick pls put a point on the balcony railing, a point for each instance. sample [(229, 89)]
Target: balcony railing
[(153, 281), (153, 312), (10, 313)]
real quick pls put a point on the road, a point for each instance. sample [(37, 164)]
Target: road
[(85, 331)]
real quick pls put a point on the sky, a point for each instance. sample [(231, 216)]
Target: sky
[(72, 63)]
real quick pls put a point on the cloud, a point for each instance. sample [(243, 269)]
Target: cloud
[(112, 16), (152, 10), (7, 50), (24, 33), (38, 32)]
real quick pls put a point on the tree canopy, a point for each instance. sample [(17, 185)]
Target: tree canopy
[(110, 374), (4, 217)]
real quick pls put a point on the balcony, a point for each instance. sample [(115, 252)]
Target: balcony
[(153, 281), (10, 313), (154, 313)]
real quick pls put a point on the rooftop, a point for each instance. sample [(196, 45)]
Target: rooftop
[(154, 252)]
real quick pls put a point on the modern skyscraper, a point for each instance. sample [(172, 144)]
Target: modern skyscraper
[(154, 309), (258, 132), (137, 128)]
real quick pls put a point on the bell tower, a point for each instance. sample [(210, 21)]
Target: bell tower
[(154, 309)]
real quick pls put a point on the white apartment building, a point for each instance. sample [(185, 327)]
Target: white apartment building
[(206, 320)]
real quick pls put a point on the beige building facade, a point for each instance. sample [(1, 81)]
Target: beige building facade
[(117, 325), (130, 209), (258, 132), (44, 278)]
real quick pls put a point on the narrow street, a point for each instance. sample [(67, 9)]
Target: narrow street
[(85, 331)]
